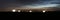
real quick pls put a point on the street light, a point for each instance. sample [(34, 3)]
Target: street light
[(44, 11), (18, 10), (30, 11), (13, 10)]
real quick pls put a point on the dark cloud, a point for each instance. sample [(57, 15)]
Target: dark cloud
[(19, 3), (7, 3)]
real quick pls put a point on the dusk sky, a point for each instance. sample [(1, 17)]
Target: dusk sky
[(29, 3)]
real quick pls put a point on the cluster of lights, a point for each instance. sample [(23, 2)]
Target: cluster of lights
[(29, 11)]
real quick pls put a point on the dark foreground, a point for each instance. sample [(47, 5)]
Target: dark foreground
[(51, 13)]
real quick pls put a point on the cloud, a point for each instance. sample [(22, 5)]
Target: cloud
[(29, 3), (40, 6)]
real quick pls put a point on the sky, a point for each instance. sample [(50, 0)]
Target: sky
[(29, 3)]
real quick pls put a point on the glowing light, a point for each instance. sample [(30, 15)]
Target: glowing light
[(44, 11), (18, 10), (13, 10), (30, 11)]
